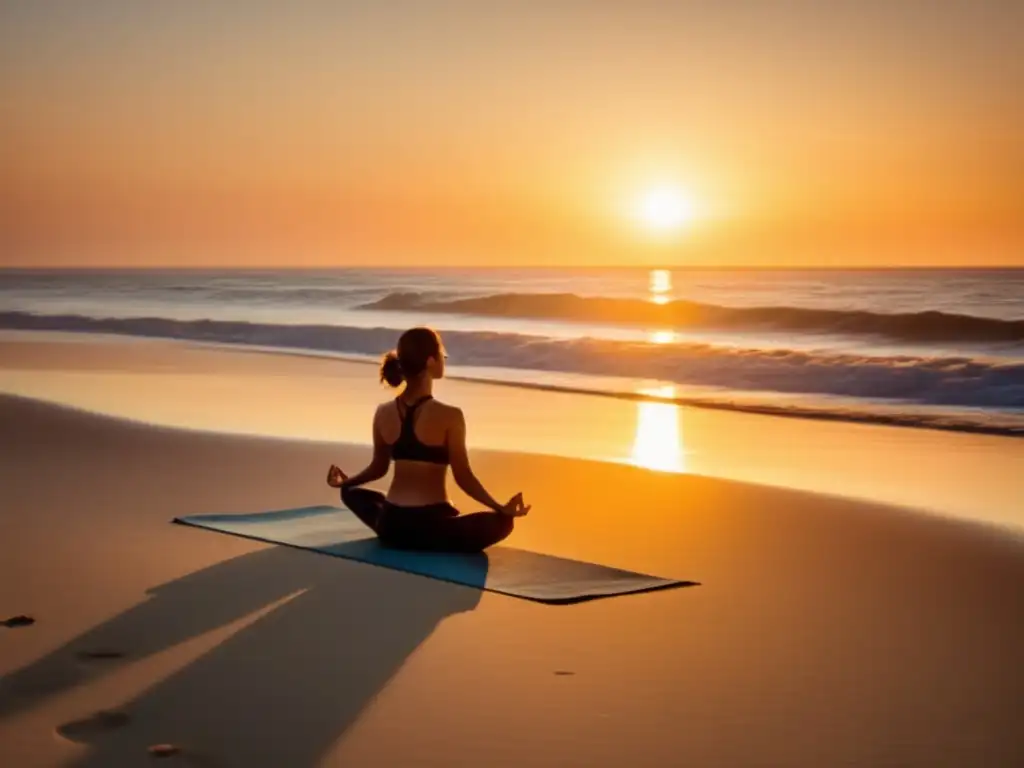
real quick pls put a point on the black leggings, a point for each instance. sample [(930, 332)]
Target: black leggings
[(434, 527)]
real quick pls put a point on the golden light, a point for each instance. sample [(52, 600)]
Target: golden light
[(660, 281), (660, 284), (661, 337), (664, 209), (657, 443)]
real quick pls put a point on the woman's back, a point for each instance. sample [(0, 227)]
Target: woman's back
[(415, 482)]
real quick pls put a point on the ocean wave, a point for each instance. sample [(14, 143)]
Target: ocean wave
[(950, 381), (931, 326)]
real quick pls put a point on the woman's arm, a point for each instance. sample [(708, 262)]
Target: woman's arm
[(461, 471), (378, 466)]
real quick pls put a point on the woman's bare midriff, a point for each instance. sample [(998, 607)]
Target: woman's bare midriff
[(417, 483)]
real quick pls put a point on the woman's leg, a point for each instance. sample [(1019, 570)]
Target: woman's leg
[(471, 533), (367, 504), (440, 528)]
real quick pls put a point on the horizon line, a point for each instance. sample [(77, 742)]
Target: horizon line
[(496, 266), (509, 266)]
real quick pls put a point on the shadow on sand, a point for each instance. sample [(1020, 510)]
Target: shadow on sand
[(279, 691)]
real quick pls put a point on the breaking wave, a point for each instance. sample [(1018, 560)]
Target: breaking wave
[(931, 326)]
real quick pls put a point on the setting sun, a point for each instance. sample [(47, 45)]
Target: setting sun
[(664, 209)]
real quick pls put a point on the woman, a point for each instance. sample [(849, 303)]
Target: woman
[(423, 437)]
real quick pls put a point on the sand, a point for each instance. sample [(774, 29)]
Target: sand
[(826, 630)]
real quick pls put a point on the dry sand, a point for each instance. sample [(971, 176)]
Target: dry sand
[(826, 631)]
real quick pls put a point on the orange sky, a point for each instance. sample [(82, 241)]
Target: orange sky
[(509, 132)]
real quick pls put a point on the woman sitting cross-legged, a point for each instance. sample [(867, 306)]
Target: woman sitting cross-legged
[(423, 437)]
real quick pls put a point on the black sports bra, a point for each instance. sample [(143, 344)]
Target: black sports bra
[(408, 447)]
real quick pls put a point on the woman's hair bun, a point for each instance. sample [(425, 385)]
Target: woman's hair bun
[(391, 370)]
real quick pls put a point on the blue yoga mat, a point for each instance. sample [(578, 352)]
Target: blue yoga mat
[(515, 572)]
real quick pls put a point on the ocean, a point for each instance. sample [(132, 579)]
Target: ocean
[(920, 348)]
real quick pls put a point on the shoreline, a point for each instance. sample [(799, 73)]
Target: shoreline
[(907, 422), (324, 400), (848, 415)]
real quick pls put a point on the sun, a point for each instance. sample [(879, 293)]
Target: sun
[(664, 209)]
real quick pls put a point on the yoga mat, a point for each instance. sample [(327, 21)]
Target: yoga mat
[(507, 571)]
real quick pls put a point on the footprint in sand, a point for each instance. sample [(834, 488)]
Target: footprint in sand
[(164, 750), (102, 654), (18, 621), (89, 728), (184, 758)]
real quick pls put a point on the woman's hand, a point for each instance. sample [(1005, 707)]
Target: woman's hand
[(335, 477), (515, 507)]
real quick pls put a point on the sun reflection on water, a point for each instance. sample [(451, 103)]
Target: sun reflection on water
[(660, 286), (658, 440)]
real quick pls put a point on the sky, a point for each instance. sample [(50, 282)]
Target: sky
[(488, 132)]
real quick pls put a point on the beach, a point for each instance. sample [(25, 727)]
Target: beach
[(724, 301), (858, 599)]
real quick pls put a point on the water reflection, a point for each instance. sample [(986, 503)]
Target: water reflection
[(660, 286), (661, 337), (658, 440)]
